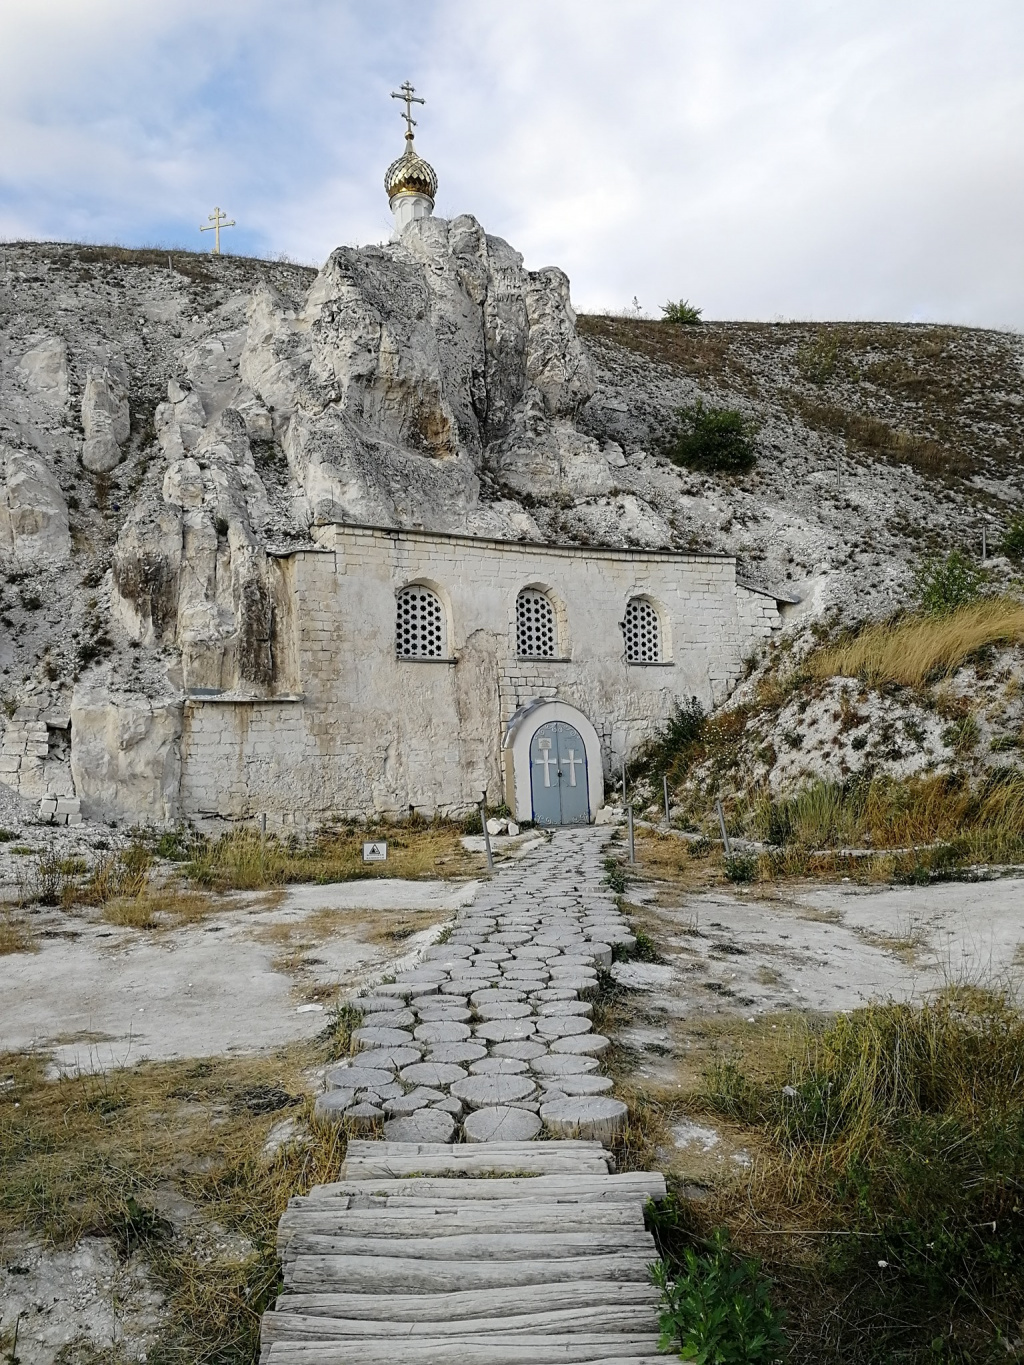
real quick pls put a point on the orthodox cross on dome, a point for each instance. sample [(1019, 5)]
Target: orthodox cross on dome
[(407, 93)]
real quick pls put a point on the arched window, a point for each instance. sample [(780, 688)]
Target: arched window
[(642, 632), (420, 625), (536, 635)]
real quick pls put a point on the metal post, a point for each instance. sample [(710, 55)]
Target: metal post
[(984, 546), (487, 833), (263, 825), (725, 832), (629, 825), (664, 783)]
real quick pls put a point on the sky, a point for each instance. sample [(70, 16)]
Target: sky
[(763, 159)]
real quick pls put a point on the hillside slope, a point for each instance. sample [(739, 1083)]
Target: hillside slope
[(166, 419)]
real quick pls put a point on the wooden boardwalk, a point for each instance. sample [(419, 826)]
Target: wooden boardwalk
[(493, 1254)]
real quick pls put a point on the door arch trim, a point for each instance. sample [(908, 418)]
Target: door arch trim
[(516, 744)]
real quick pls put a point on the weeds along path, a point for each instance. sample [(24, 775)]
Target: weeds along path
[(454, 1235)]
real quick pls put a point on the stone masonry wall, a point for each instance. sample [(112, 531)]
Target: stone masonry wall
[(373, 732)]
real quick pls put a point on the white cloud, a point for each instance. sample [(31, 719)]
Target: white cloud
[(762, 157)]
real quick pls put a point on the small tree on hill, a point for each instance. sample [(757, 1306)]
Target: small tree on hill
[(713, 440), (1013, 541), (945, 585)]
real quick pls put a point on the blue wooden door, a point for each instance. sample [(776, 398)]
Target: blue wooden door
[(558, 776)]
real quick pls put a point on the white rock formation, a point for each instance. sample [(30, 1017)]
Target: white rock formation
[(34, 530), (126, 755), (43, 371), (105, 416)]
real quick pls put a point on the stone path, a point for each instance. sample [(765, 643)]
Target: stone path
[(492, 1031), (498, 1249)]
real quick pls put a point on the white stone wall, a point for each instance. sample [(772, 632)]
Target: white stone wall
[(375, 732), (758, 615)]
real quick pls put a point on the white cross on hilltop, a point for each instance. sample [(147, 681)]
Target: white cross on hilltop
[(218, 220)]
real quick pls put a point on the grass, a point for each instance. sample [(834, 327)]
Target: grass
[(88, 1155), (15, 935), (916, 650), (245, 861), (889, 1170)]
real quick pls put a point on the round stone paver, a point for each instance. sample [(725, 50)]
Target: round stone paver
[(597, 1119), (505, 1030), (456, 1052), (372, 1004), (593, 1044), (436, 1074), (357, 1078), (504, 1009), (389, 1019), (495, 995), (390, 1058), (553, 1007), (452, 1014), (480, 1092), (444, 1031), (562, 1064), (416, 1099), (331, 1106), (368, 1038), (525, 1049), (582, 1085), (362, 1118), (502, 1123), (562, 1025), (426, 1125), (499, 1066)]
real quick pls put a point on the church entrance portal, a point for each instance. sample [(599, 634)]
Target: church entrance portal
[(558, 775)]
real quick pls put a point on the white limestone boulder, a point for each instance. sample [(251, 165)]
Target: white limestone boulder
[(34, 528), (42, 371), (106, 418), (126, 755)]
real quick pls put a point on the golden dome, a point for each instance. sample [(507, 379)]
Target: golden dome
[(410, 174)]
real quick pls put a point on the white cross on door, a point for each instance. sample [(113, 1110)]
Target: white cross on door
[(571, 761)]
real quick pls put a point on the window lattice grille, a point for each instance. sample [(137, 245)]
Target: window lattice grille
[(642, 631), (535, 626), (420, 632)]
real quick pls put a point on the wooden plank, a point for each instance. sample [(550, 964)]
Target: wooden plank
[(391, 1274), (492, 1349), (362, 1147), (472, 1303), (483, 1216), (389, 1167), (473, 1246), (628, 1318), (633, 1185)]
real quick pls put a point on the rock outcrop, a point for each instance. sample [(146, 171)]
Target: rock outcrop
[(105, 417), (34, 528)]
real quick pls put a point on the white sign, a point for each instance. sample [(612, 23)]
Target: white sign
[(377, 852)]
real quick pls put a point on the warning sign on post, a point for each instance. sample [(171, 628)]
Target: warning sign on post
[(375, 852)]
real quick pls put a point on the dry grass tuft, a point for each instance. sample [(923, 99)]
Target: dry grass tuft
[(917, 650), (90, 1155), (245, 861), (15, 936)]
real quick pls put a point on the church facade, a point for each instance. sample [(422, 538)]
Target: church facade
[(415, 670)]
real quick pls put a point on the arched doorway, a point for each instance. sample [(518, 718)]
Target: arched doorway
[(551, 755), (558, 775)]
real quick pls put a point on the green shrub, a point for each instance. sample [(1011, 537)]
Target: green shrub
[(716, 1310), (712, 440), (945, 585), (741, 867), (1013, 541), (682, 314)]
